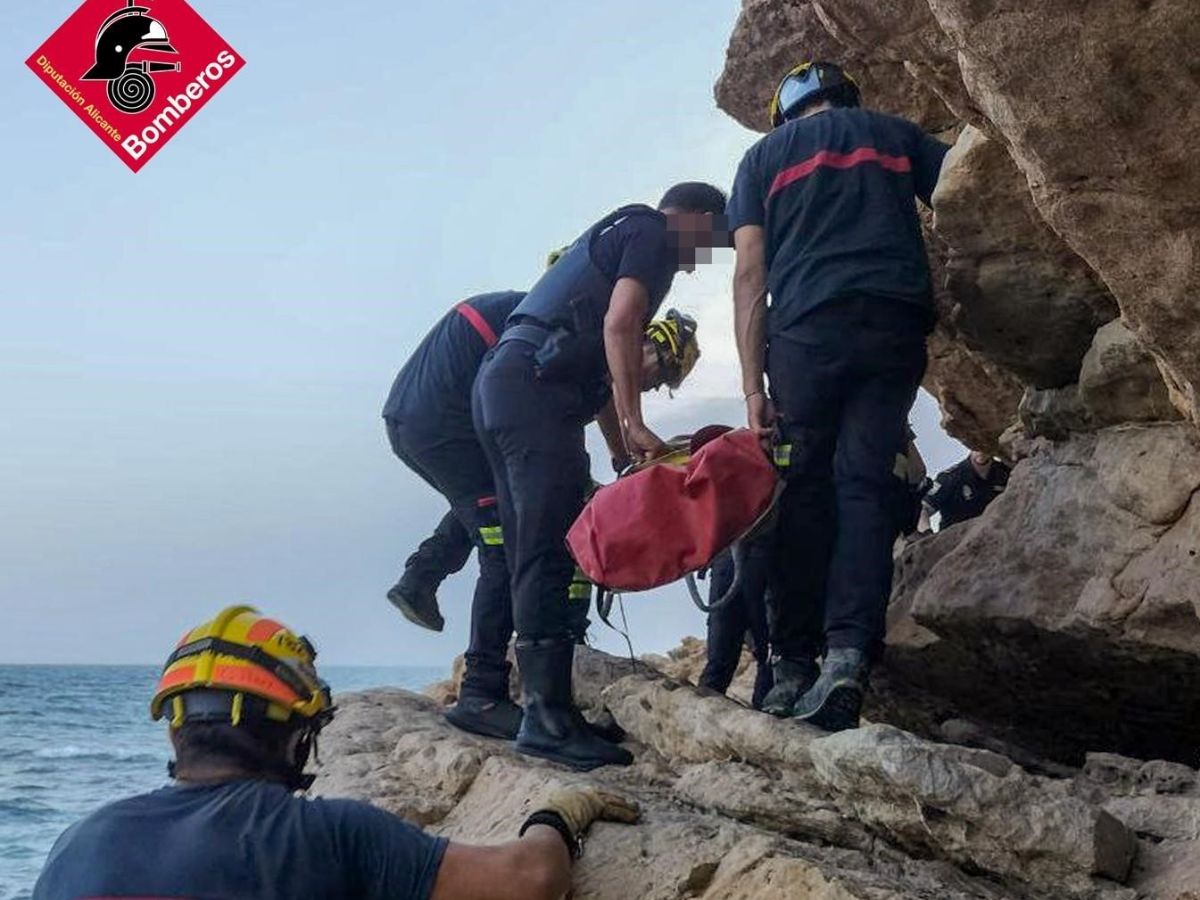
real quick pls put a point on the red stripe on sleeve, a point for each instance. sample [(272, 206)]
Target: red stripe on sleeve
[(829, 159), (478, 322)]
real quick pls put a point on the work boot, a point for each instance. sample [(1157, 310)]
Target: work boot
[(792, 678), (487, 716), (606, 728), (553, 727), (835, 701), (417, 602)]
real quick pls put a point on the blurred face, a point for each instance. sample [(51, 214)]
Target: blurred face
[(653, 375), (693, 235), (981, 460)]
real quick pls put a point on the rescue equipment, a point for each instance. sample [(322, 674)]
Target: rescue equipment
[(669, 518), (808, 83), (250, 657)]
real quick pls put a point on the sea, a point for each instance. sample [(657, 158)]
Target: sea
[(73, 738)]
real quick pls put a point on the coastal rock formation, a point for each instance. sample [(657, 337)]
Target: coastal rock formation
[(1033, 726), (737, 804)]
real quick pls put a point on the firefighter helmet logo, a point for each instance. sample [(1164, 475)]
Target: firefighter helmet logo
[(130, 82)]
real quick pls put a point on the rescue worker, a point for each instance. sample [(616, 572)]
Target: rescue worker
[(825, 221), (572, 344), (428, 418), (741, 620), (245, 705), (966, 489), (484, 707)]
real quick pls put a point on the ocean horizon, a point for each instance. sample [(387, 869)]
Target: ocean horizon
[(75, 737)]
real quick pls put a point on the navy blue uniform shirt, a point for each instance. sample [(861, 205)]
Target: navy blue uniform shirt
[(435, 383), (245, 839), (836, 194), (639, 247), (960, 493)]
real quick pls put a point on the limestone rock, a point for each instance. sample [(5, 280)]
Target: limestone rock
[(1023, 298), (771, 37), (1120, 382), (972, 804), (1080, 578), (781, 821), (1106, 136)]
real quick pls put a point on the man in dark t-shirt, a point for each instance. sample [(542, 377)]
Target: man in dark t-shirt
[(245, 705), (428, 419), (825, 221), (573, 345), (966, 489)]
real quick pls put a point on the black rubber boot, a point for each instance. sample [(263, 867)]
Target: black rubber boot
[(793, 677), (487, 716), (835, 701), (553, 727), (417, 601)]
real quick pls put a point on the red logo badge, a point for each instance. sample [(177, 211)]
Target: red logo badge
[(135, 74)]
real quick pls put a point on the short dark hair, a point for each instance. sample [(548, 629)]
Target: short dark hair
[(260, 749), (695, 196)]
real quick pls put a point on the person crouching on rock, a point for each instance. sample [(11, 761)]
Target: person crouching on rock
[(245, 706), (825, 220)]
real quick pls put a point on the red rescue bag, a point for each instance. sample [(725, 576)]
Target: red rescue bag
[(657, 525)]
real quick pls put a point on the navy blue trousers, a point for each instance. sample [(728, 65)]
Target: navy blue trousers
[(744, 616), (843, 379), (533, 434), (449, 458)]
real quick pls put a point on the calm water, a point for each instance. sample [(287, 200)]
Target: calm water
[(73, 738)]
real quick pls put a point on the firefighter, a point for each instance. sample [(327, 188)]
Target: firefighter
[(742, 620), (825, 221), (245, 704), (572, 344), (429, 426), (428, 419), (965, 490)]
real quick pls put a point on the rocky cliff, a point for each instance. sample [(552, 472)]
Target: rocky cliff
[(1038, 712)]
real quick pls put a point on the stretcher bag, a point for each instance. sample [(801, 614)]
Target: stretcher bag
[(671, 518)]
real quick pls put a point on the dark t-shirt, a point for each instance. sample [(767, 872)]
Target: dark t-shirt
[(639, 247), (435, 383), (835, 193), (960, 494), (247, 840)]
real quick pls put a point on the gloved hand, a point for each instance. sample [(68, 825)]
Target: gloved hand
[(579, 807)]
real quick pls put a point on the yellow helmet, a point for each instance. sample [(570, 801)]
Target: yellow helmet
[(555, 255), (674, 337), (256, 664)]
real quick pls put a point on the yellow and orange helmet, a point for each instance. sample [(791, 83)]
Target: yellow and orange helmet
[(242, 654)]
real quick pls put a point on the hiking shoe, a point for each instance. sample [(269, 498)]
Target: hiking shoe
[(792, 678), (486, 716), (417, 603), (835, 701)]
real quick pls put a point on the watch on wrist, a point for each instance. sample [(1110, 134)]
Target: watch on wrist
[(555, 821)]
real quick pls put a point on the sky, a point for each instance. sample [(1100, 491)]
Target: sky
[(193, 359)]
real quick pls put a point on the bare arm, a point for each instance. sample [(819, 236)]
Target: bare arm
[(750, 324), (623, 349), (536, 867), (610, 427)]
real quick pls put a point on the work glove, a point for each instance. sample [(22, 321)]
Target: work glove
[(579, 807)]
